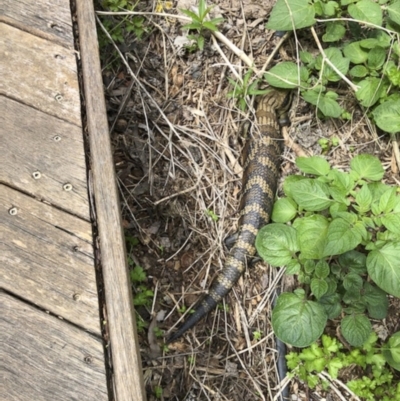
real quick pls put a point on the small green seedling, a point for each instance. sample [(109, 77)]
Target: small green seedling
[(200, 23)]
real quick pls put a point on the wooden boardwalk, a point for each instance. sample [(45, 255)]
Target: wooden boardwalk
[(51, 339)]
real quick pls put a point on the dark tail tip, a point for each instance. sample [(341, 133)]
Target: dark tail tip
[(199, 313)]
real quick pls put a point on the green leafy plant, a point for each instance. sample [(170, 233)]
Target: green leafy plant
[(119, 27), (158, 391), (200, 23), (212, 215), (243, 89), (329, 356), (327, 144), (143, 296), (366, 59), (343, 243)]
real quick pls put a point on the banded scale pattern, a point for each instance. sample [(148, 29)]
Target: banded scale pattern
[(261, 157)]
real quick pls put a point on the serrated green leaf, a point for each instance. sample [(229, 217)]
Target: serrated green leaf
[(358, 71), (286, 75), (377, 302), (331, 305), (316, 165), (334, 31), (297, 321), (387, 116), (376, 58), (371, 89), (293, 267), (341, 237), (356, 329), (384, 267), (355, 53), (288, 184), (311, 234), (287, 16), (277, 243), (322, 269), (352, 282), (336, 58), (367, 167), (311, 195), (354, 261), (388, 200), (364, 199), (284, 210), (328, 106), (366, 10), (319, 287), (394, 11), (309, 266)]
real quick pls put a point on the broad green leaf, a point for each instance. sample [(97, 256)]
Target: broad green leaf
[(342, 180), (354, 261), (334, 32), (384, 267), (391, 351), (286, 75), (311, 195), (377, 301), (388, 200), (394, 11), (358, 71), (319, 287), (312, 235), (329, 8), (352, 282), (371, 89), (339, 195), (376, 58), (284, 210), (366, 10), (328, 106), (387, 116), (290, 15), (297, 321), (364, 199), (355, 53), (331, 305), (322, 269), (293, 267), (316, 165), (277, 243), (356, 329), (336, 58), (367, 167), (341, 237), (288, 184)]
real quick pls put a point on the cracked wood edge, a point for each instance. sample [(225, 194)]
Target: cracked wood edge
[(127, 370)]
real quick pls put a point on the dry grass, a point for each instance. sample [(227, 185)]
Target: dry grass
[(177, 155)]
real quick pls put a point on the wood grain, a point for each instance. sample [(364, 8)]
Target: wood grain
[(45, 358), (32, 141), (128, 378), (50, 17), (43, 74), (46, 257)]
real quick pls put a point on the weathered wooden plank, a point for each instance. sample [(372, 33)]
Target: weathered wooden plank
[(34, 142), (52, 17), (47, 359), (39, 73), (128, 378), (46, 257)]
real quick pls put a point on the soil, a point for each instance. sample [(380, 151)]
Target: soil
[(177, 152)]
